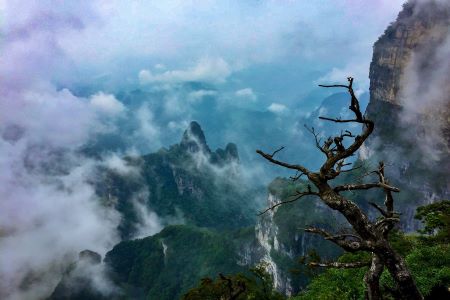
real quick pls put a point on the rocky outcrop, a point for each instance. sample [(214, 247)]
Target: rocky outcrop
[(280, 240), (267, 236), (194, 139), (411, 59), (410, 104), (419, 28)]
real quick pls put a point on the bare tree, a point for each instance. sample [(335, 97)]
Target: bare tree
[(367, 235)]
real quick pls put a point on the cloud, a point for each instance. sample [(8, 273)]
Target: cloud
[(246, 93), (106, 103), (148, 131), (212, 70), (149, 222), (178, 126), (116, 163), (424, 95), (197, 96), (159, 67), (277, 108), (49, 209), (358, 70), (49, 212)]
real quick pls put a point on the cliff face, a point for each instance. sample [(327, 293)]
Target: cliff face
[(410, 104), (409, 73), (419, 28), (279, 241)]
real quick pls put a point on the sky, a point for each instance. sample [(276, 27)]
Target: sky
[(65, 66)]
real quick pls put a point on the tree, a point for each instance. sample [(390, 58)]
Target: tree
[(236, 287), (366, 235), (436, 220)]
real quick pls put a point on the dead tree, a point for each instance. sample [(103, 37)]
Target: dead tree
[(369, 236)]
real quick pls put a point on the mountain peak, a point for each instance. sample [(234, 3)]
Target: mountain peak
[(194, 138)]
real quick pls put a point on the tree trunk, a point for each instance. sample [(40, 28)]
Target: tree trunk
[(403, 279), (372, 279)]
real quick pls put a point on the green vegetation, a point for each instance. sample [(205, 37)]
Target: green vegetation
[(436, 218), (257, 285), (166, 265), (427, 256)]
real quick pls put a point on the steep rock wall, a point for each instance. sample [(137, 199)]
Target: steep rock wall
[(410, 104)]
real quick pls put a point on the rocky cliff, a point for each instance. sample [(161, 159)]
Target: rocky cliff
[(410, 104), (418, 32), (280, 241), (410, 71)]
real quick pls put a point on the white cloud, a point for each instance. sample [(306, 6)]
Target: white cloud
[(197, 96), (148, 130), (148, 221), (106, 103), (246, 93), (45, 218), (178, 126), (117, 164), (277, 108), (159, 67), (145, 76), (212, 70), (358, 70)]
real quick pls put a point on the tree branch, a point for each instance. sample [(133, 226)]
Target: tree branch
[(276, 151), (352, 169), (339, 265), (387, 221), (283, 164), (296, 176), (343, 236), (380, 209), (340, 120), (297, 197), (325, 149), (365, 186), (350, 246), (389, 200), (333, 86)]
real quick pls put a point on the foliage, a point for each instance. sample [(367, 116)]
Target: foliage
[(257, 285), (428, 258), (167, 264), (430, 265), (436, 220), (337, 283)]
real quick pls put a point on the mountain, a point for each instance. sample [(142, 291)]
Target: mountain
[(201, 191), (410, 105), (168, 264), (187, 183)]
